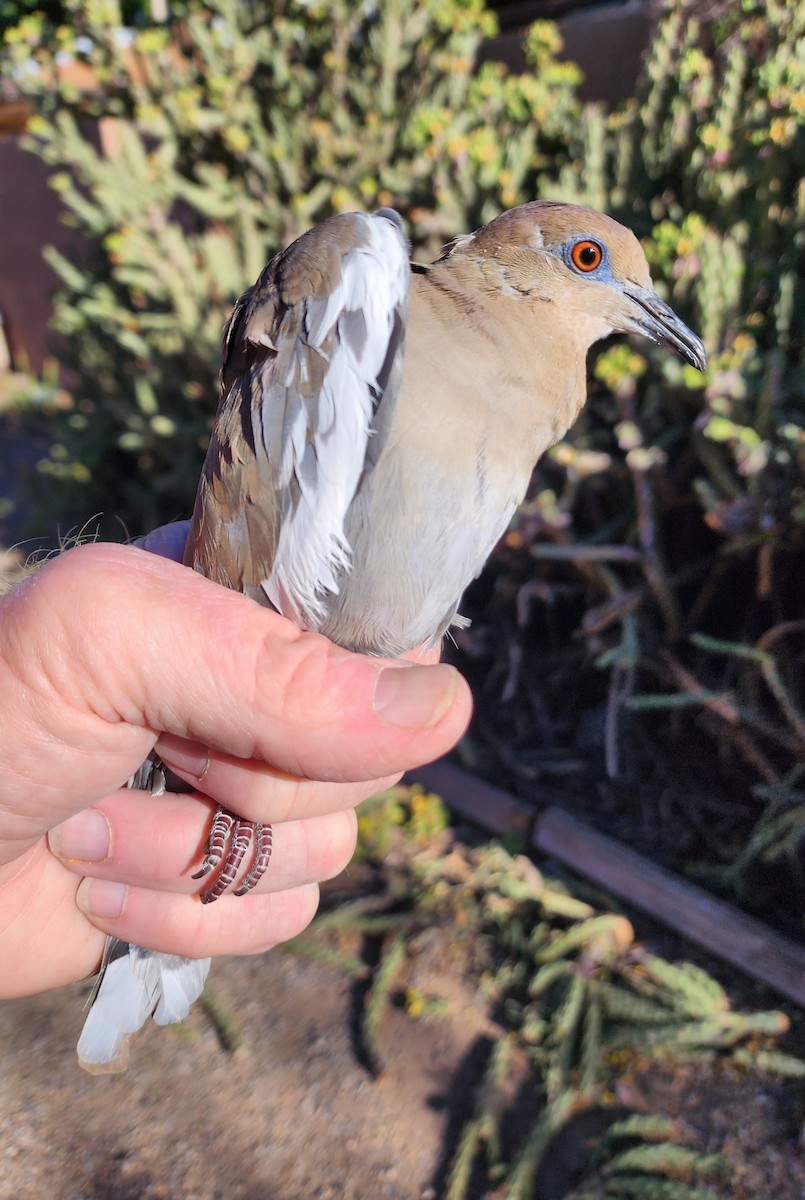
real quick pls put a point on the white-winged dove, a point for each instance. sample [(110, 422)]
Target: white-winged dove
[(378, 426)]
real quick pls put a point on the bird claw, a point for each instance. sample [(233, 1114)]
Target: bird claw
[(263, 845), (228, 841), (222, 825)]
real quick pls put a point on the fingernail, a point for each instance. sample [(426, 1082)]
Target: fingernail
[(189, 758), (414, 696), (86, 837), (101, 898)]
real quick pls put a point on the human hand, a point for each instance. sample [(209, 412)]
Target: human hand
[(108, 651)]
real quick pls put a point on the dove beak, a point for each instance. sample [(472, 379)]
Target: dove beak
[(655, 319)]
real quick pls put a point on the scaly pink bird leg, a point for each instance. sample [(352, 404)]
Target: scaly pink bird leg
[(241, 838), (263, 845), (222, 825)]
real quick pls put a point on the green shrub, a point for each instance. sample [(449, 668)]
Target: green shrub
[(225, 135)]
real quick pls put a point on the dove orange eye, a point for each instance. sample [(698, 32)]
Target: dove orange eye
[(587, 256)]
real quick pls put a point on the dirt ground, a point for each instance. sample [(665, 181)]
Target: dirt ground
[(293, 1115)]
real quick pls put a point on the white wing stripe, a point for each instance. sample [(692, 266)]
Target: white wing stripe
[(326, 455)]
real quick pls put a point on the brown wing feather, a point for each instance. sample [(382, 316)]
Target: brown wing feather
[(241, 502)]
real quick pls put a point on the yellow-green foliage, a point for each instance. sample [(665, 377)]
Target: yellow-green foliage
[(709, 164), (225, 135), (420, 815), (577, 1005)]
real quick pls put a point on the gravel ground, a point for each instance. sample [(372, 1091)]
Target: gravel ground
[(293, 1115)]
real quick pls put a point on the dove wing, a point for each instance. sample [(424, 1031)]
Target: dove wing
[(311, 353)]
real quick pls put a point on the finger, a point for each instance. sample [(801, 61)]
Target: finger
[(178, 924), (260, 792), (171, 651), (44, 935), (257, 791), (158, 843)]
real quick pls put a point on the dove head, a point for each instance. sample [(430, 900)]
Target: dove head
[(592, 269)]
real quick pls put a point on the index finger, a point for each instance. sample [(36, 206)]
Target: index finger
[(159, 648)]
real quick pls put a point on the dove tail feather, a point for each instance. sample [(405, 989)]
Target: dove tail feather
[(134, 985)]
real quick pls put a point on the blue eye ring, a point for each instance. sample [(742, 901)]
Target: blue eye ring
[(586, 255)]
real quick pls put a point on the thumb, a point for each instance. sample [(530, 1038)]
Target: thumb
[(108, 646)]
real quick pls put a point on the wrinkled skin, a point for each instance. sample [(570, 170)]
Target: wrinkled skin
[(108, 651)]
